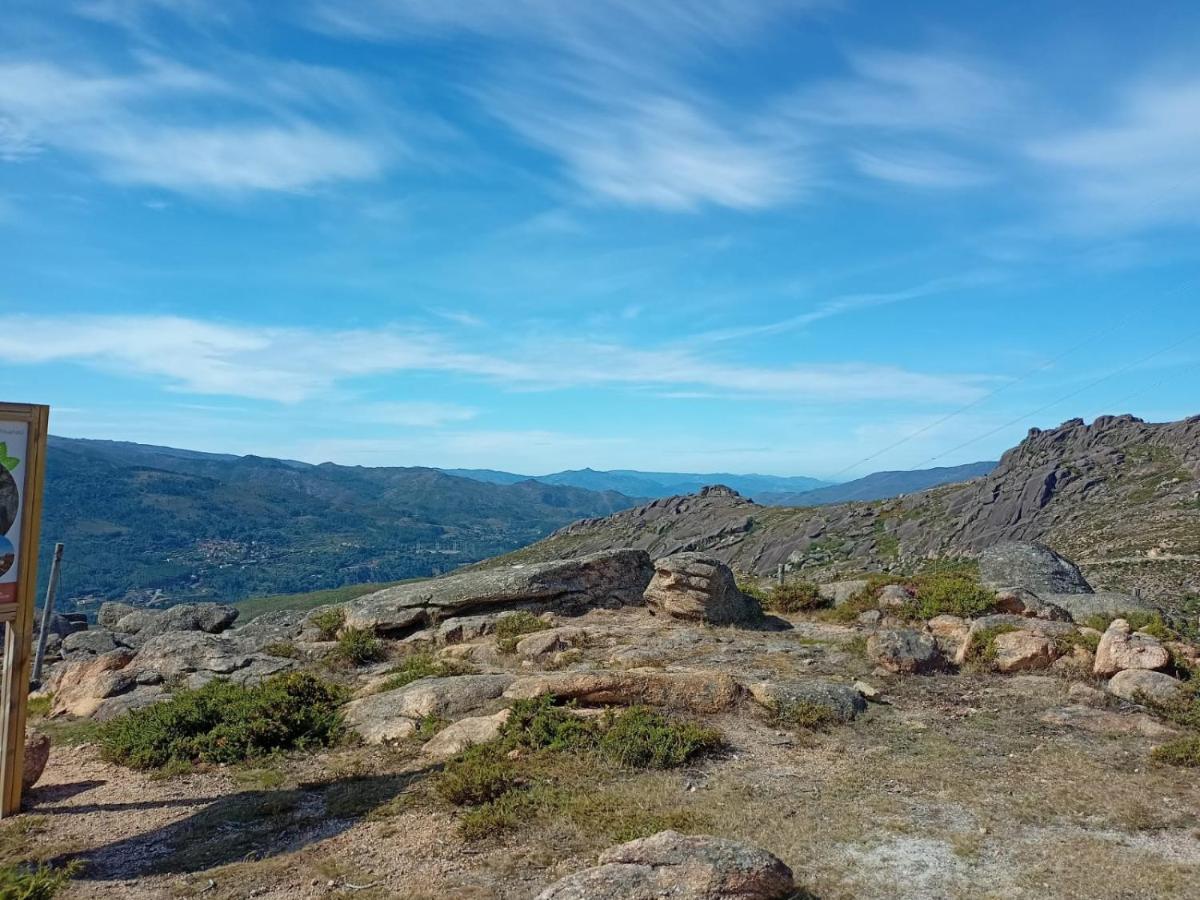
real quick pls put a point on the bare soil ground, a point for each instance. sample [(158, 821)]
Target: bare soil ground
[(954, 787)]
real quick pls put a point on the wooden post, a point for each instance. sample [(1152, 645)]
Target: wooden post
[(18, 629), (47, 612), (779, 574)]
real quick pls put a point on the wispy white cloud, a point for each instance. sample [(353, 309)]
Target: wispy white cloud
[(1139, 169), (291, 365), (920, 169), (156, 126), (414, 414)]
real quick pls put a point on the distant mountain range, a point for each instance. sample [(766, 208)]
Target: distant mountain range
[(140, 519), (145, 523), (1119, 496), (772, 490)]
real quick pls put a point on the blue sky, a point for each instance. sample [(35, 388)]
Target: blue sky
[(814, 238)]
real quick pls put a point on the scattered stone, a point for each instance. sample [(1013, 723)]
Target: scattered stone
[(1078, 661), (680, 867), (1103, 721), (111, 613), (843, 701), (893, 596), (1138, 685), (903, 651), (839, 592), (1032, 566), (464, 733), (541, 644), (1022, 602), (699, 588), (698, 691), (1121, 648), (869, 691), (37, 754), (869, 617), (1046, 627), (1020, 651)]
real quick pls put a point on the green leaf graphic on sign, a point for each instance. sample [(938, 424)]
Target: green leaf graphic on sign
[(9, 462)]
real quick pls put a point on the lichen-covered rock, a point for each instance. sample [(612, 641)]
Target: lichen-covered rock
[(1122, 648), (1021, 602), (672, 865), (541, 644), (1047, 627), (903, 651), (838, 593), (1022, 651), (698, 691), (951, 634), (89, 643), (699, 588), (842, 700), (1143, 685), (1032, 566), (608, 579)]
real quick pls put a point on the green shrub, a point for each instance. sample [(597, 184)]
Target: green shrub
[(804, 715), (954, 595), (640, 739), (537, 724), (40, 706), (357, 647), (504, 813), (22, 882), (478, 775), (225, 723), (1182, 751), (510, 629), (283, 650), (420, 665), (752, 589), (329, 622), (983, 643), (794, 597)]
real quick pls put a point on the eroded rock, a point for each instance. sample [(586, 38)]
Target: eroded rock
[(1032, 566), (903, 651), (1122, 648), (1023, 651), (699, 691), (842, 700), (1145, 686), (699, 588)]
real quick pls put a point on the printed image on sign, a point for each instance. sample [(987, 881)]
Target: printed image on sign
[(13, 440)]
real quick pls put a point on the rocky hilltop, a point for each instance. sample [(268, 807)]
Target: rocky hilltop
[(1121, 496)]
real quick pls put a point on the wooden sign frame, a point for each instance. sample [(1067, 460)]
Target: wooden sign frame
[(18, 617)]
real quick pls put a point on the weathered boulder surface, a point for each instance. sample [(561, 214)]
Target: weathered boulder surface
[(1046, 627), (89, 643), (951, 634), (1032, 566), (196, 657), (698, 691), (212, 618), (1098, 603), (904, 651), (607, 579), (1020, 602), (37, 754), (699, 588), (1020, 651), (394, 714), (464, 733), (1138, 685), (844, 701), (839, 592), (680, 867), (79, 687), (1122, 648)]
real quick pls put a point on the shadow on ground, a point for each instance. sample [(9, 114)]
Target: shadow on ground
[(249, 825)]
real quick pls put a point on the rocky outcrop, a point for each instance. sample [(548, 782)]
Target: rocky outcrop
[(699, 691), (608, 579), (468, 732), (1030, 566), (80, 687), (395, 714), (212, 618), (681, 867), (1023, 651), (699, 588), (1122, 648)]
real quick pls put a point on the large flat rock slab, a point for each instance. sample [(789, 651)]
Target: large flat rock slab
[(609, 579)]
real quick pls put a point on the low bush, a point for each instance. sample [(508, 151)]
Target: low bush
[(1181, 751), (794, 597), (479, 775), (22, 882), (752, 589), (804, 715), (357, 647), (538, 724), (510, 629), (955, 592), (983, 643), (40, 706), (225, 723), (282, 650), (420, 665), (638, 738), (329, 622)]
